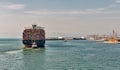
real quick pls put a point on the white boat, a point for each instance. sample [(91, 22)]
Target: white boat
[(107, 42), (34, 45)]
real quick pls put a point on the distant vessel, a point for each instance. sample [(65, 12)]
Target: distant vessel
[(114, 39), (34, 37)]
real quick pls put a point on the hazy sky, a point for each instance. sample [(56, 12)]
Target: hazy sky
[(59, 17)]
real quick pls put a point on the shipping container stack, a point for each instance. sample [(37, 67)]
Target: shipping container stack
[(34, 34)]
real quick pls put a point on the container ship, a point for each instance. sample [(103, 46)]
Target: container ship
[(34, 37)]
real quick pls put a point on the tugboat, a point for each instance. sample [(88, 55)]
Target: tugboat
[(114, 39), (34, 37)]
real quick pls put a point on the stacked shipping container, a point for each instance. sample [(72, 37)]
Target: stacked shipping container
[(30, 34), (34, 34)]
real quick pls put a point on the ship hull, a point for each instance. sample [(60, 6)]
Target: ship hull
[(28, 43)]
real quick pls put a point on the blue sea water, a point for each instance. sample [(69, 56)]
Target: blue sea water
[(59, 55)]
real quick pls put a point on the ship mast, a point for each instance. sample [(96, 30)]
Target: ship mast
[(114, 34)]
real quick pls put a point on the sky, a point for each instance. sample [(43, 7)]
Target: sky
[(59, 17)]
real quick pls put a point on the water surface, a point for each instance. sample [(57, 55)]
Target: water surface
[(59, 55)]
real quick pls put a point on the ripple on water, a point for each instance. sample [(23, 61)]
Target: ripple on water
[(13, 52)]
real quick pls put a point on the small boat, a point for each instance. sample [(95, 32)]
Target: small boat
[(65, 40), (34, 45), (112, 40)]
